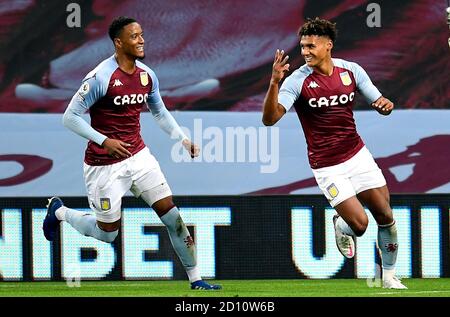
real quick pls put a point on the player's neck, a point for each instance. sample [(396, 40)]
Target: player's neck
[(325, 68), (126, 63)]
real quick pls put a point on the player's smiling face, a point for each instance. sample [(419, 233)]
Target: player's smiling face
[(132, 40), (315, 49)]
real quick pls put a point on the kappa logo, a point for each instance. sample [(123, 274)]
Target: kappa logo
[(313, 84), (117, 83)]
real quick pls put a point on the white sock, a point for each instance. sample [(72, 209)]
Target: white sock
[(388, 273), (388, 245), (344, 227), (60, 213), (180, 237), (193, 274), (86, 224)]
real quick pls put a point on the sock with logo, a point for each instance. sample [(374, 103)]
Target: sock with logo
[(182, 242), (85, 223), (388, 245)]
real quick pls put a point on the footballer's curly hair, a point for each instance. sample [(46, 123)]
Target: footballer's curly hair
[(117, 25), (318, 26)]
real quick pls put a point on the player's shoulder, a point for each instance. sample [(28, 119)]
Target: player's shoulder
[(147, 69), (348, 65), (298, 76), (103, 71), (302, 72)]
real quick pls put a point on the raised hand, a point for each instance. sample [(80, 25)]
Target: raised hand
[(279, 66)]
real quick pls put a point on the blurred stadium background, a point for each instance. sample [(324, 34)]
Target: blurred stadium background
[(254, 216)]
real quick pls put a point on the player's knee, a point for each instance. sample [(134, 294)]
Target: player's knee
[(108, 227), (107, 232), (385, 218), (106, 236), (359, 227)]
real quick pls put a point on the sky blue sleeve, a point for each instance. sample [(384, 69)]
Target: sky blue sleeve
[(91, 90), (154, 97), (159, 111), (290, 91), (365, 85)]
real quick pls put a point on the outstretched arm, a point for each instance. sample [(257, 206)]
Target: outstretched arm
[(272, 110)]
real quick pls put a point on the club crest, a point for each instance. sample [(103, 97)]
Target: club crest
[(144, 78), (345, 78), (105, 204), (332, 190)]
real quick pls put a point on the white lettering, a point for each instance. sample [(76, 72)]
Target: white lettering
[(323, 101), (333, 100), (11, 253), (343, 99), (130, 99), (73, 20), (125, 100), (73, 268), (373, 20), (203, 221)]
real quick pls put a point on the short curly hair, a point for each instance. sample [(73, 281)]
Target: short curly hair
[(117, 25), (320, 27)]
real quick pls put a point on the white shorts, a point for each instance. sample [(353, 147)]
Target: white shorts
[(342, 181), (106, 185)]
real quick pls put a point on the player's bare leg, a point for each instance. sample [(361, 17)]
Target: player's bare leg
[(181, 239), (378, 202), (350, 222)]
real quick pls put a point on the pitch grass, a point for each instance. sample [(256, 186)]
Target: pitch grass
[(231, 288)]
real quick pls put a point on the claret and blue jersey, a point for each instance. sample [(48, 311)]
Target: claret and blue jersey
[(324, 105), (115, 100)]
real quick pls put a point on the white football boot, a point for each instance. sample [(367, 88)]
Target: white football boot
[(393, 283), (344, 242)]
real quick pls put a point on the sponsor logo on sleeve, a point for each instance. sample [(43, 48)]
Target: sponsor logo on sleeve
[(84, 89)]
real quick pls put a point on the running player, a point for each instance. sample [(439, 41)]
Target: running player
[(322, 92), (116, 158)]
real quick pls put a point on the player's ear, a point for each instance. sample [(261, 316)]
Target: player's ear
[(330, 45), (117, 42)]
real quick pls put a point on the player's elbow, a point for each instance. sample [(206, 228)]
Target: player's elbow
[(268, 121), (271, 119), (65, 119), (69, 118)]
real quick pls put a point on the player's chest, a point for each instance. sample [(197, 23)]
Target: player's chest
[(322, 92), (125, 90)]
